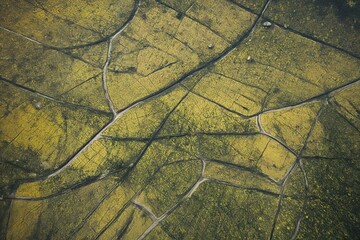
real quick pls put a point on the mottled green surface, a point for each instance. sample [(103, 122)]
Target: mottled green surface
[(144, 119)]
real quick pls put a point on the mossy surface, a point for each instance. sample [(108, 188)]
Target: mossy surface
[(192, 119)]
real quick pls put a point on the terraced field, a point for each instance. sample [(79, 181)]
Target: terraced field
[(168, 119)]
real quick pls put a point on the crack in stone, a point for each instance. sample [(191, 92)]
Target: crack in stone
[(173, 208), (46, 46), (258, 190), (287, 28), (297, 228), (207, 27), (38, 5), (290, 73), (108, 58), (252, 170), (237, 80), (146, 210), (48, 97), (292, 170)]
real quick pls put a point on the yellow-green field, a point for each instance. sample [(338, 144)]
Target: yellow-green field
[(179, 119)]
